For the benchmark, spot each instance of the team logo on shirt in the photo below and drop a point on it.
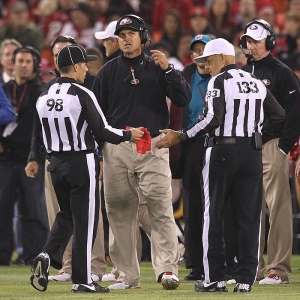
(266, 81)
(125, 21)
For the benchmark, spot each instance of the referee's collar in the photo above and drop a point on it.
(65, 80)
(229, 67)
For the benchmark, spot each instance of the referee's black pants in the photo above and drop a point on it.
(193, 151)
(76, 184)
(232, 170)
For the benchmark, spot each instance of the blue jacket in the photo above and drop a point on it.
(6, 111)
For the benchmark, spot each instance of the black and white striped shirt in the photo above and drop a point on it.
(72, 120)
(236, 104)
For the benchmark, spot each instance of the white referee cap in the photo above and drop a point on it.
(217, 46)
(109, 32)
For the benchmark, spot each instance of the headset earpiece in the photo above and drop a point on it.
(36, 56)
(270, 39)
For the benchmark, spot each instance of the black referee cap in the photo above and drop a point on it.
(72, 54)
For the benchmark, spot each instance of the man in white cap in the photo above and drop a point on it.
(282, 83)
(232, 166)
(110, 41)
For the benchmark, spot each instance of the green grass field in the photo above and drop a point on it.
(14, 285)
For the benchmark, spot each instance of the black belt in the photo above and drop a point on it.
(223, 140)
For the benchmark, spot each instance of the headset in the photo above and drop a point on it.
(270, 39)
(36, 56)
(143, 31)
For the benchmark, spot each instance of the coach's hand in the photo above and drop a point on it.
(171, 138)
(136, 134)
(31, 169)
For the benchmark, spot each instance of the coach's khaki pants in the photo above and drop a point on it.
(277, 196)
(126, 174)
(98, 254)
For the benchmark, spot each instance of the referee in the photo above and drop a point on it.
(71, 120)
(232, 165)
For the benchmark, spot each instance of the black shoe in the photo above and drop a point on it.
(217, 286)
(40, 272)
(89, 288)
(194, 275)
(242, 288)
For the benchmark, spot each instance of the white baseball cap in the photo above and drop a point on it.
(217, 46)
(109, 32)
(256, 31)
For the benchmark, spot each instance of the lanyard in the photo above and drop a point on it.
(201, 93)
(17, 102)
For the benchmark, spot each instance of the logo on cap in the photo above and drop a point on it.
(125, 21)
(198, 37)
(253, 27)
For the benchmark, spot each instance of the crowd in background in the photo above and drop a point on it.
(172, 23)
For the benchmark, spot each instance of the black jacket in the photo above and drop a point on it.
(17, 145)
(125, 104)
(284, 86)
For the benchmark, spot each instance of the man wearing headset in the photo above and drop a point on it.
(132, 90)
(23, 93)
(282, 83)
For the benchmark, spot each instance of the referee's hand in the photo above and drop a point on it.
(171, 138)
(136, 134)
(31, 169)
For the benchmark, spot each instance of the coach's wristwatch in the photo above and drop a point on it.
(182, 135)
(170, 68)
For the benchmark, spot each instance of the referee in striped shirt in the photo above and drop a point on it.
(71, 120)
(239, 108)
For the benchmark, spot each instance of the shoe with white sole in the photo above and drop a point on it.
(40, 272)
(89, 288)
(61, 277)
(242, 288)
(109, 277)
(95, 277)
(169, 281)
(120, 285)
(273, 279)
(231, 281)
(216, 286)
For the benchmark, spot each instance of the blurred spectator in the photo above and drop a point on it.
(220, 19)
(183, 7)
(287, 44)
(94, 66)
(83, 24)
(165, 47)
(44, 8)
(199, 21)
(144, 9)
(294, 60)
(20, 28)
(171, 30)
(184, 52)
(247, 13)
(100, 8)
(294, 5)
(53, 24)
(7, 48)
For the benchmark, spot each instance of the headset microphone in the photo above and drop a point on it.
(249, 56)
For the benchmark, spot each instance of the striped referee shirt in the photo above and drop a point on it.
(236, 105)
(72, 120)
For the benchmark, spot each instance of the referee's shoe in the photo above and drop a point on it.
(216, 286)
(40, 272)
(89, 288)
